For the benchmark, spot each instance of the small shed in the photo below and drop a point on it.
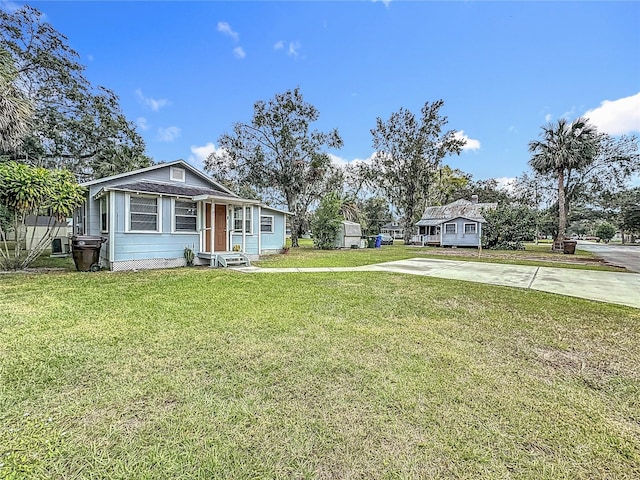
(348, 235)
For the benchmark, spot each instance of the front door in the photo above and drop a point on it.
(220, 240)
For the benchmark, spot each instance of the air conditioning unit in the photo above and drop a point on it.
(60, 246)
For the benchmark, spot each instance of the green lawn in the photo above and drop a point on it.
(199, 373)
(535, 255)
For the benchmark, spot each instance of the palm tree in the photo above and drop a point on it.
(15, 108)
(563, 148)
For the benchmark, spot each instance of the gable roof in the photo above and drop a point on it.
(180, 163)
(460, 208)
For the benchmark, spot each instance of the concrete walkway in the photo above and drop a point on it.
(610, 287)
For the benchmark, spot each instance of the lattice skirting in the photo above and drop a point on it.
(148, 264)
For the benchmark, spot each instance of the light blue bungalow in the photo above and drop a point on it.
(149, 216)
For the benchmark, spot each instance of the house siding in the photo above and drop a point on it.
(129, 250)
(460, 239)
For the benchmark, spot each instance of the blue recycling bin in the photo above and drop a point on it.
(378, 241)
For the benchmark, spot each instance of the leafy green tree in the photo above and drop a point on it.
(74, 125)
(375, 213)
(508, 226)
(563, 149)
(326, 221)
(449, 185)
(605, 232)
(27, 190)
(408, 153)
(278, 151)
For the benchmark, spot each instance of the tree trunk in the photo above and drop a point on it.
(295, 226)
(562, 212)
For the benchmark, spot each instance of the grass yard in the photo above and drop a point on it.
(535, 255)
(199, 373)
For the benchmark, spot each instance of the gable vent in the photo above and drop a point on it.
(177, 174)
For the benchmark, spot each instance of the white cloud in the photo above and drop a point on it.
(343, 162)
(200, 153)
(225, 28)
(471, 143)
(617, 117)
(168, 134)
(507, 184)
(154, 104)
(294, 48)
(512, 129)
(548, 117)
(385, 2)
(279, 45)
(239, 52)
(142, 123)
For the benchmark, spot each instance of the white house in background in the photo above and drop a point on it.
(458, 224)
(150, 215)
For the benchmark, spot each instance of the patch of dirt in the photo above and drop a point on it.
(575, 363)
(505, 255)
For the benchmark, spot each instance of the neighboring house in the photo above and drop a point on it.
(150, 215)
(41, 226)
(349, 235)
(458, 224)
(394, 229)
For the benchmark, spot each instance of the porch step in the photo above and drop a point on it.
(227, 259)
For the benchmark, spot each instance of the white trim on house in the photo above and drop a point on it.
(271, 225)
(177, 174)
(127, 210)
(475, 228)
(174, 215)
(104, 200)
(455, 229)
(112, 229)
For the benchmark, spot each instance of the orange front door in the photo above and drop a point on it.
(220, 241)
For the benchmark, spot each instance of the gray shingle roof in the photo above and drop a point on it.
(168, 189)
(460, 208)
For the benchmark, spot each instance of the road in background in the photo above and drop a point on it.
(615, 254)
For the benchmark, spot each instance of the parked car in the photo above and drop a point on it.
(387, 239)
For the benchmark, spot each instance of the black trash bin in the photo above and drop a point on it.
(371, 242)
(569, 246)
(86, 252)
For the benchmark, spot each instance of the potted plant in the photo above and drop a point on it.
(189, 256)
(286, 246)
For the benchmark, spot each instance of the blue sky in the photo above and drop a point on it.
(186, 71)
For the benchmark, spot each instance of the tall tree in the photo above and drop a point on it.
(564, 148)
(374, 214)
(278, 151)
(75, 125)
(15, 108)
(408, 152)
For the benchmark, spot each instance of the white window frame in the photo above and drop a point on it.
(273, 220)
(104, 210)
(475, 228)
(127, 204)
(248, 231)
(174, 216)
(455, 229)
(177, 174)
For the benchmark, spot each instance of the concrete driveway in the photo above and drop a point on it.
(627, 256)
(610, 287)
